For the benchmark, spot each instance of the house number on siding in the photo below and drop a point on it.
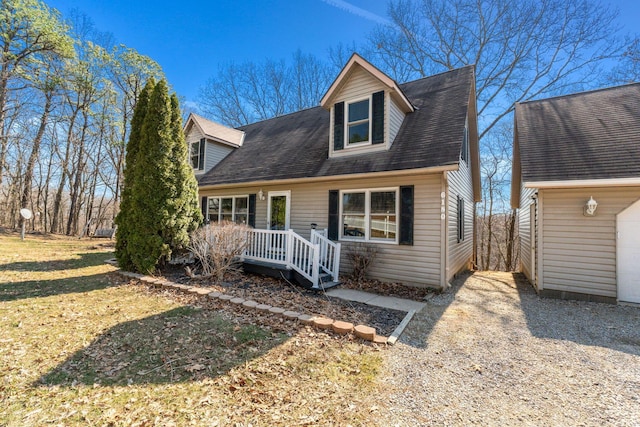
(443, 209)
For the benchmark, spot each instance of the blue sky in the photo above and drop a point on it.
(189, 38)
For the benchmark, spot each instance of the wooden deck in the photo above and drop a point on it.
(282, 272)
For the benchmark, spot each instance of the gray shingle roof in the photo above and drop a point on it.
(590, 135)
(297, 145)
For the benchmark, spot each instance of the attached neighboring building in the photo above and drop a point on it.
(576, 183)
(395, 166)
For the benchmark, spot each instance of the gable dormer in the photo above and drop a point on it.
(209, 142)
(367, 109)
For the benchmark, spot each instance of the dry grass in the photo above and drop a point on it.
(81, 347)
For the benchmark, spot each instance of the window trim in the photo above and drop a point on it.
(367, 214)
(233, 206)
(200, 152)
(347, 144)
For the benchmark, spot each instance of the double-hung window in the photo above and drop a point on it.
(231, 209)
(369, 215)
(196, 154)
(358, 123)
(460, 220)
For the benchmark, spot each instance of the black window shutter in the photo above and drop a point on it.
(203, 206)
(377, 130)
(252, 210)
(202, 144)
(334, 214)
(338, 126)
(406, 215)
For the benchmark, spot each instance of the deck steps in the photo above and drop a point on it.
(281, 271)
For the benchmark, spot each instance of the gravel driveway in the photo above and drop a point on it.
(490, 352)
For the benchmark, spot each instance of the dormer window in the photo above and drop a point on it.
(197, 155)
(367, 109)
(358, 123)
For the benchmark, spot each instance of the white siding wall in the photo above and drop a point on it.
(525, 227)
(394, 117)
(214, 152)
(578, 252)
(460, 254)
(359, 84)
(417, 265)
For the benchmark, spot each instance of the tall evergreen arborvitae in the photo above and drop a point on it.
(164, 205)
(124, 219)
(187, 212)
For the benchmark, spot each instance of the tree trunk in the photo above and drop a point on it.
(33, 157)
(74, 208)
(55, 222)
(4, 138)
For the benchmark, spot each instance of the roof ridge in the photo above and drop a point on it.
(584, 92)
(438, 74)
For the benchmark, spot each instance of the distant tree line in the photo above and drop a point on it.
(67, 94)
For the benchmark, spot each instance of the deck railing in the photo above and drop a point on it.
(329, 253)
(293, 251)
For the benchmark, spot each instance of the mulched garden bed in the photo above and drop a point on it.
(281, 293)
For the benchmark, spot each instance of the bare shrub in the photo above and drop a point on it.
(361, 256)
(218, 247)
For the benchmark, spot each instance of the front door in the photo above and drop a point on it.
(279, 206)
(278, 209)
(628, 253)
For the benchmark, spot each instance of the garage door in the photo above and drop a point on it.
(628, 254)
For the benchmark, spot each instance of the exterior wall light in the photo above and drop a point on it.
(590, 207)
(261, 194)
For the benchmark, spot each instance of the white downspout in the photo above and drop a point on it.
(444, 233)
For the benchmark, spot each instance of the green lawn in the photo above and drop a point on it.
(80, 346)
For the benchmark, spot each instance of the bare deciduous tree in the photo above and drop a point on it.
(521, 50)
(242, 94)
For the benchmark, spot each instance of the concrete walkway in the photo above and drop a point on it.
(376, 300)
(409, 306)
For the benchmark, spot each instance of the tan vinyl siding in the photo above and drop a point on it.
(395, 117)
(359, 84)
(195, 135)
(417, 265)
(525, 227)
(460, 254)
(214, 153)
(579, 253)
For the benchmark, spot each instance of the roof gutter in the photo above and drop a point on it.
(612, 182)
(405, 172)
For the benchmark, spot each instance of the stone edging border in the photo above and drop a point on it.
(320, 322)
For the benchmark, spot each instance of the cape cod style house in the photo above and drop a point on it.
(576, 183)
(377, 163)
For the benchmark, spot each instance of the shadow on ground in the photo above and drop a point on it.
(89, 259)
(588, 323)
(47, 288)
(183, 344)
